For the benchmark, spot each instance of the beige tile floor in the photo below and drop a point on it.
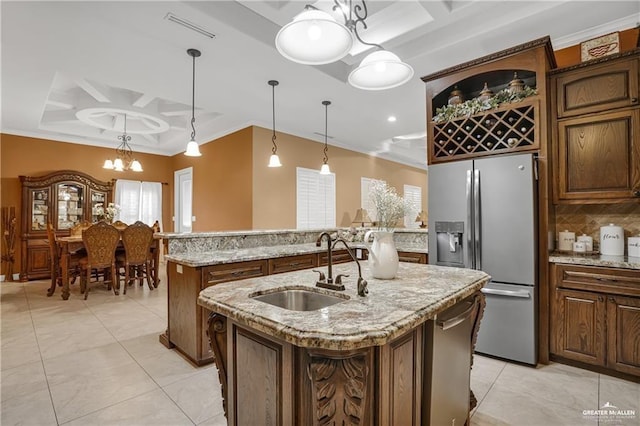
(99, 362)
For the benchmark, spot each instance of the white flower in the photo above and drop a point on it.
(109, 213)
(390, 207)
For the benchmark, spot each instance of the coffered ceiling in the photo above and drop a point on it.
(70, 70)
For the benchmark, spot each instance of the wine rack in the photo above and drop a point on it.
(504, 129)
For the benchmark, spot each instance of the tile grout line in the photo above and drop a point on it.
(44, 368)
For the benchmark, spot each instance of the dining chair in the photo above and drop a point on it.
(54, 254)
(100, 241)
(137, 239)
(76, 231)
(155, 254)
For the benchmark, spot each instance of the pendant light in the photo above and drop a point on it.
(324, 170)
(193, 150)
(314, 37)
(274, 160)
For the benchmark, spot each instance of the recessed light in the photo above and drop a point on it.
(391, 119)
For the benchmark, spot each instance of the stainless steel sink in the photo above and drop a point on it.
(299, 299)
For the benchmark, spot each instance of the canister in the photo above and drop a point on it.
(633, 246)
(587, 240)
(566, 240)
(612, 240)
(579, 247)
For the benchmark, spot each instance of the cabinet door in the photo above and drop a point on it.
(598, 88)
(96, 197)
(623, 334)
(577, 326)
(39, 209)
(599, 158)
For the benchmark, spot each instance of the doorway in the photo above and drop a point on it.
(183, 184)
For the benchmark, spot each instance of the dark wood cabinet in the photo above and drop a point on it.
(595, 130)
(292, 263)
(64, 199)
(479, 129)
(597, 88)
(599, 158)
(595, 317)
(623, 337)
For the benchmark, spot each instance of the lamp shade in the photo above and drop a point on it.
(118, 165)
(380, 70)
(108, 164)
(136, 166)
(324, 170)
(274, 161)
(362, 217)
(193, 150)
(313, 38)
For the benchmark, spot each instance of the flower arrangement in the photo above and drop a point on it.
(390, 207)
(108, 213)
(476, 106)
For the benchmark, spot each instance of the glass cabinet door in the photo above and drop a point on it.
(70, 199)
(39, 209)
(97, 198)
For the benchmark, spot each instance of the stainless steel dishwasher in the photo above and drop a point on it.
(448, 366)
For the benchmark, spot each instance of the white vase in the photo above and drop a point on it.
(383, 256)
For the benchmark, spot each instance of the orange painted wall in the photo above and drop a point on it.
(222, 179)
(274, 190)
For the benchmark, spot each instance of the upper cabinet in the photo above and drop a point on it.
(596, 144)
(493, 105)
(64, 199)
(597, 88)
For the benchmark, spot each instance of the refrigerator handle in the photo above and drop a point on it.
(477, 234)
(469, 261)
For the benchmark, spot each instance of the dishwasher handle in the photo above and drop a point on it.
(509, 293)
(446, 324)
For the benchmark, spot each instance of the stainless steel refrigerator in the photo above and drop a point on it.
(482, 215)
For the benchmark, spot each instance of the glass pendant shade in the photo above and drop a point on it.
(118, 165)
(108, 164)
(193, 150)
(314, 38)
(136, 166)
(274, 161)
(324, 170)
(380, 70)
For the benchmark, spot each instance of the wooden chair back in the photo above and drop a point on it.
(53, 251)
(137, 240)
(101, 241)
(120, 225)
(76, 231)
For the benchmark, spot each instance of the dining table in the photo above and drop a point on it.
(69, 245)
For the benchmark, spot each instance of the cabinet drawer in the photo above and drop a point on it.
(292, 263)
(233, 271)
(598, 279)
(338, 256)
(410, 257)
(598, 88)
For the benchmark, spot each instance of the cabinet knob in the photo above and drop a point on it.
(612, 300)
(600, 299)
(636, 193)
(634, 100)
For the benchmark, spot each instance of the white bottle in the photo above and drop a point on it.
(612, 240)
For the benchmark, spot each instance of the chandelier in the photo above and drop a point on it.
(124, 155)
(193, 150)
(324, 169)
(314, 37)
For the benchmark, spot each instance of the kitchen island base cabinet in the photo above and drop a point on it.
(265, 380)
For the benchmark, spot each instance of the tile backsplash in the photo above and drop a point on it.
(587, 219)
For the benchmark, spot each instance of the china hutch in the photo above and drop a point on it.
(63, 198)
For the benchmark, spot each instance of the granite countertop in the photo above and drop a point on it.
(392, 307)
(216, 257)
(240, 233)
(625, 262)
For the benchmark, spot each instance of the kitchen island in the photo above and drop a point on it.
(363, 360)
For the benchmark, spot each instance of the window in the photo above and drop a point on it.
(315, 199)
(139, 201)
(413, 194)
(365, 200)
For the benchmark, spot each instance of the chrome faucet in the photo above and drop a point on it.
(328, 282)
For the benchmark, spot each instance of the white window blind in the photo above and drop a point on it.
(315, 199)
(139, 201)
(413, 194)
(365, 200)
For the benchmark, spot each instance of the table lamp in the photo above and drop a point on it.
(422, 217)
(362, 217)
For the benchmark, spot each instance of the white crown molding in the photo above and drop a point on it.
(609, 27)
